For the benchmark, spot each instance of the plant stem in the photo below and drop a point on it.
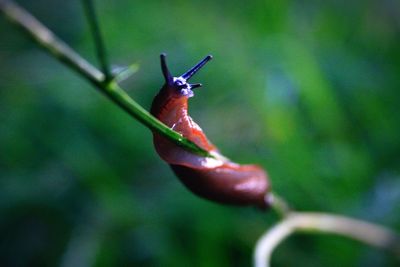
(313, 222)
(97, 37)
(279, 205)
(46, 39)
(56, 47)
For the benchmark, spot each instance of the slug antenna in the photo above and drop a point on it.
(167, 75)
(195, 85)
(187, 75)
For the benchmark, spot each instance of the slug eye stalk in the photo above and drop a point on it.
(167, 75)
(170, 80)
(187, 75)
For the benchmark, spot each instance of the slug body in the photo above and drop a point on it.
(215, 178)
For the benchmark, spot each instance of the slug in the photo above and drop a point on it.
(215, 178)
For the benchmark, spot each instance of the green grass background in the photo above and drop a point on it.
(308, 89)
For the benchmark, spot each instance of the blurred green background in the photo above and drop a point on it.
(308, 89)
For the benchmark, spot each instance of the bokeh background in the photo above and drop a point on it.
(308, 89)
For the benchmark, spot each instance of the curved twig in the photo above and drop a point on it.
(314, 222)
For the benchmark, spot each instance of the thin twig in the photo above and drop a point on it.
(45, 38)
(90, 12)
(53, 45)
(312, 222)
(279, 205)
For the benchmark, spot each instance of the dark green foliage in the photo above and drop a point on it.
(310, 90)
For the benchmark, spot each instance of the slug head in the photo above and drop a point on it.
(179, 85)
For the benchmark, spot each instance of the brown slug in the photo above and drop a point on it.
(215, 178)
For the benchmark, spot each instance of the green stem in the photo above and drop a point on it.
(279, 205)
(97, 37)
(56, 47)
